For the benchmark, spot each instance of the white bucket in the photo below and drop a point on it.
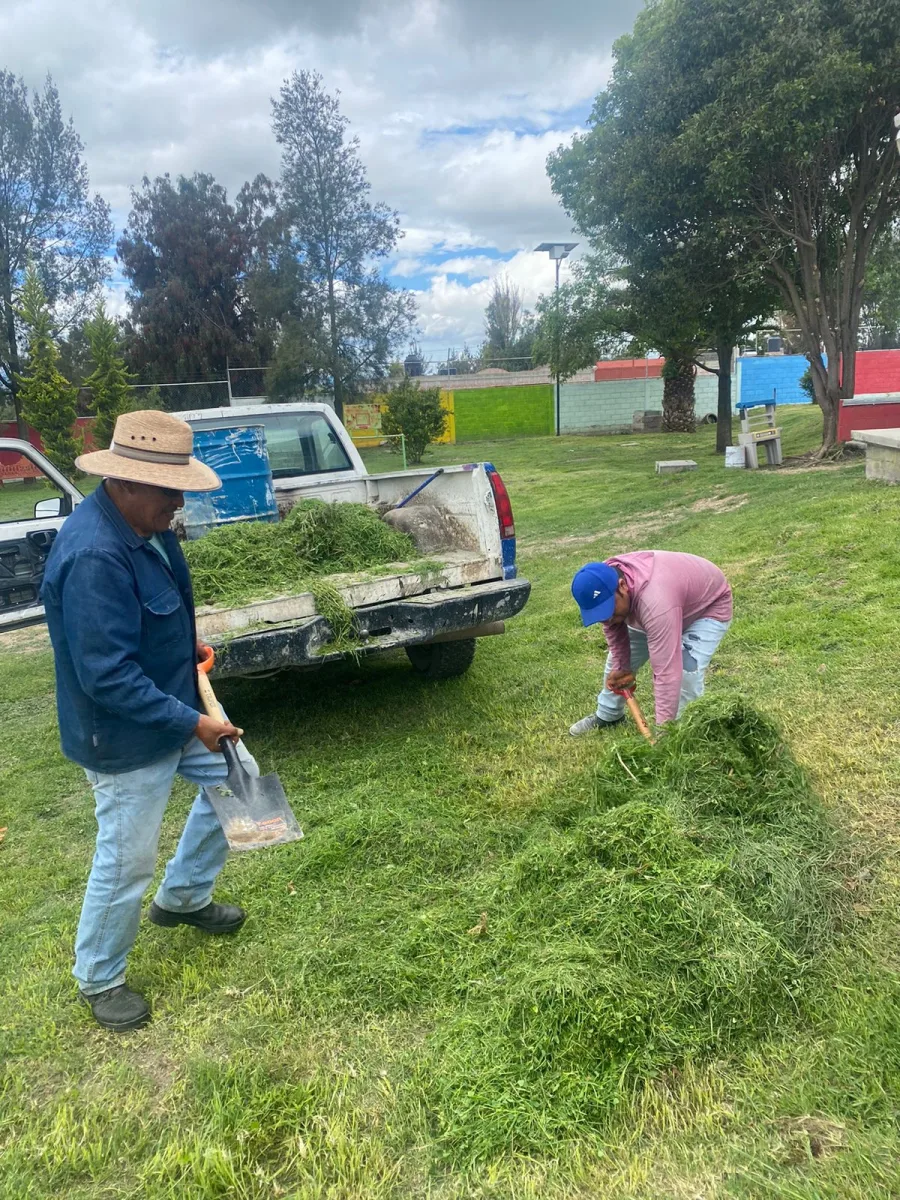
(734, 456)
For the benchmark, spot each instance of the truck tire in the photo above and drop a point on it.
(442, 660)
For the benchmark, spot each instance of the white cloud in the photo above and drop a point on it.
(451, 313)
(456, 102)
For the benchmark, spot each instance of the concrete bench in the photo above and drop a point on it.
(882, 453)
(669, 466)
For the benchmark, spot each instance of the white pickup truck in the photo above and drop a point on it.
(461, 521)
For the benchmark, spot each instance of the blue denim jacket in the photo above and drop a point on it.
(124, 638)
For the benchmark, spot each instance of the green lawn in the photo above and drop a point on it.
(299, 1058)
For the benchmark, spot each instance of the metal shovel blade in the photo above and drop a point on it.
(254, 812)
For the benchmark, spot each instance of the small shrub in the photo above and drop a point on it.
(417, 414)
(806, 384)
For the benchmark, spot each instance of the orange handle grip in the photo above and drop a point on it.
(206, 664)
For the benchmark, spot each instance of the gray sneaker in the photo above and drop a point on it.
(589, 724)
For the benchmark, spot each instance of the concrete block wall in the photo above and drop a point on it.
(609, 407)
(758, 376)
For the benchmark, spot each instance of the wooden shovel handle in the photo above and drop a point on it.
(634, 709)
(211, 706)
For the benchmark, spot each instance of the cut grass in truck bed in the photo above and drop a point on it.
(369, 1035)
(234, 564)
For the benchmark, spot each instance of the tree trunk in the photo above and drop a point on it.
(335, 358)
(678, 394)
(828, 396)
(723, 414)
(15, 365)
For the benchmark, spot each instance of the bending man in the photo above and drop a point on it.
(671, 608)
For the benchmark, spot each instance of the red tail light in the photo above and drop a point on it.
(504, 508)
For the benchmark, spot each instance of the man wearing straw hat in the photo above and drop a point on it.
(120, 611)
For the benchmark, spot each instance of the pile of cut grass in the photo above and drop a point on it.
(235, 564)
(678, 915)
(672, 907)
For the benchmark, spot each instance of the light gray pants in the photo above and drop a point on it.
(698, 644)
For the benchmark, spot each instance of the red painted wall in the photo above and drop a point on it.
(14, 466)
(877, 371)
(628, 368)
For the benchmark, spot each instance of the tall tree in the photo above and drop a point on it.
(358, 320)
(509, 329)
(46, 397)
(609, 306)
(47, 217)
(109, 380)
(626, 187)
(187, 253)
(790, 130)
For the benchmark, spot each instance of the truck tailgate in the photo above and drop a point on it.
(385, 626)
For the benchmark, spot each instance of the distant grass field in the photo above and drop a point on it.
(330, 1050)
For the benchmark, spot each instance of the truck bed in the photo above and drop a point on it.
(396, 581)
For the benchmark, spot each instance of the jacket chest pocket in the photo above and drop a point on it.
(163, 617)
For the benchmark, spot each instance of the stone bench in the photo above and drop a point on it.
(670, 466)
(882, 453)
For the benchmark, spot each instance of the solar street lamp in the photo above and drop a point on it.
(557, 251)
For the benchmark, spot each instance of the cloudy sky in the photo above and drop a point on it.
(456, 102)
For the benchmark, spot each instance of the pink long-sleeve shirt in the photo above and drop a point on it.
(669, 591)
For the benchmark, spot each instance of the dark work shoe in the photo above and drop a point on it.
(215, 918)
(589, 724)
(118, 1008)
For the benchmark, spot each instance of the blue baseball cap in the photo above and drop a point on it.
(594, 589)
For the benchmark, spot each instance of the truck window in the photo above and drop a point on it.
(26, 493)
(303, 444)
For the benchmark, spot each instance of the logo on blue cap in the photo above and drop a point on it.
(594, 589)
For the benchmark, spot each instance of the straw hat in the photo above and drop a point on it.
(152, 447)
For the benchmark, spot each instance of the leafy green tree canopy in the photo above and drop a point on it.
(47, 217)
(186, 253)
(109, 380)
(353, 321)
(785, 118)
(47, 398)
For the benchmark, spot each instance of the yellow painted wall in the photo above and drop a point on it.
(448, 438)
(363, 421)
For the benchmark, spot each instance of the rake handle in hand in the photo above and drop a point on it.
(635, 710)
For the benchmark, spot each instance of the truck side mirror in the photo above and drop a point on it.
(49, 508)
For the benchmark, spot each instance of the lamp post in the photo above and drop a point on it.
(557, 251)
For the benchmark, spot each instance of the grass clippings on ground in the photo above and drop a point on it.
(313, 1056)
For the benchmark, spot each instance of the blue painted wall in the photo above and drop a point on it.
(758, 376)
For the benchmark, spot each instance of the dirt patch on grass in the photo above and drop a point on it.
(804, 1138)
(642, 527)
(719, 504)
(812, 467)
(31, 640)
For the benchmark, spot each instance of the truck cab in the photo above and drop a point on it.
(35, 499)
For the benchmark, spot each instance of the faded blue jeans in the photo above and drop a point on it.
(129, 810)
(698, 644)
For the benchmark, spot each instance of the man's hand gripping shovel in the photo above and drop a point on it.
(253, 812)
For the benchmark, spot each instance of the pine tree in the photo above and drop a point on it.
(110, 378)
(47, 397)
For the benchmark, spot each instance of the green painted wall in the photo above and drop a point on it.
(503, 411)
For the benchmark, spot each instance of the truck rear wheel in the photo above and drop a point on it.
(442, 660)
